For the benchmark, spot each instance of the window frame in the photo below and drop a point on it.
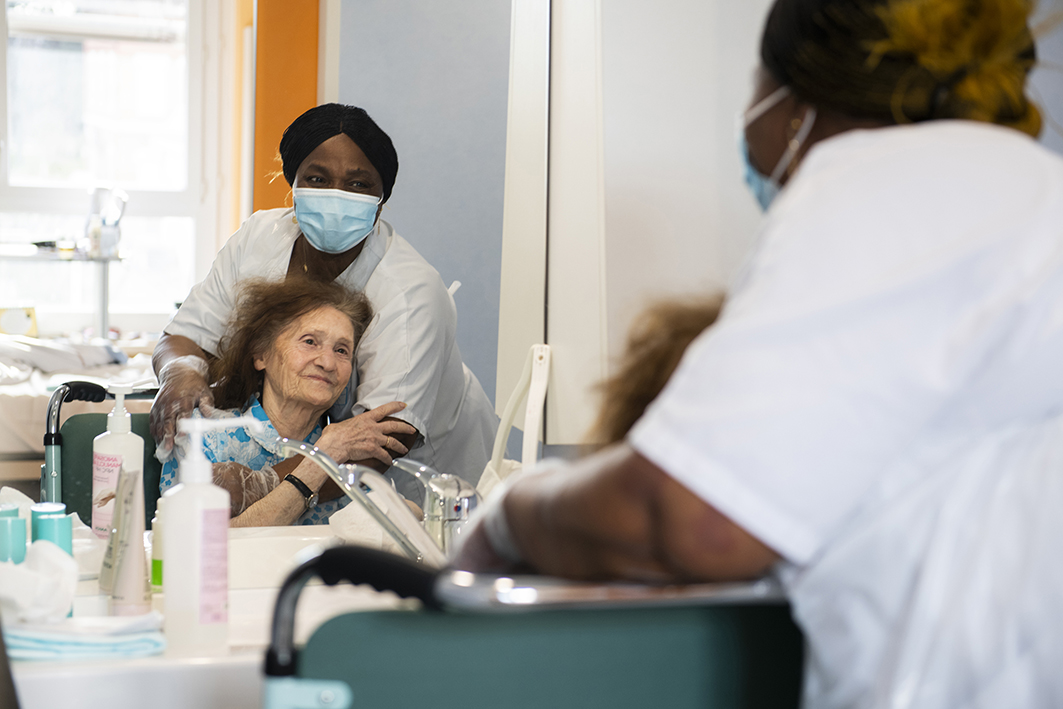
(207, 193)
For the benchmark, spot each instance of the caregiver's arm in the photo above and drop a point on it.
(405, 437)
(617, 515)
(181, 366)
(371, 438)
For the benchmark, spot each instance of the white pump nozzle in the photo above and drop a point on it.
(119, 420)
(196, 468)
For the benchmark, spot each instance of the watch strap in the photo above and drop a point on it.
(302, 487)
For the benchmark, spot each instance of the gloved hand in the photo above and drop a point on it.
(486, 544)
(245, 486)
(183, 386)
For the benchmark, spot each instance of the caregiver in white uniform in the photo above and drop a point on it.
(877, 416)
(342, 167)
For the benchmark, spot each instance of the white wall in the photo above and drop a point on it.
(678, 217)
(646, 195)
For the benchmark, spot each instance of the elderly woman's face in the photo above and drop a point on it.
(339, 164)
(310, 361)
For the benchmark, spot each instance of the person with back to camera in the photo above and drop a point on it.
(342, 167)
(877, 416)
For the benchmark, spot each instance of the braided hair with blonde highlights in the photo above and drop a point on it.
(904, 61)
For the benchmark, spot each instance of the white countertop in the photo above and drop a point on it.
(259, 561)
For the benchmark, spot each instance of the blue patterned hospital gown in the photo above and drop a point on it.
(255, 450)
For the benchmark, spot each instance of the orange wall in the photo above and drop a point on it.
(285, 86)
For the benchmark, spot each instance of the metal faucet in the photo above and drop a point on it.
(448, 502)
(349, 483)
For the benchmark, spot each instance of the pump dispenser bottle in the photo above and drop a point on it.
(196, 549)
(116, 449)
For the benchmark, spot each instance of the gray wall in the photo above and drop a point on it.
(1046, 82)
(435, 76)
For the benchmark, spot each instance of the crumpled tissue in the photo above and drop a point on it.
(354, 525)
(41, 588)
(94, 637)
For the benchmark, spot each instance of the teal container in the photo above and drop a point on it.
(42, 510)
(12, 539)
(8, 510)
(59, 530)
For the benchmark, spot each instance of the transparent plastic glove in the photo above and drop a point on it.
(367, 435)
(183, 387)
(486, 543)
(245, 486)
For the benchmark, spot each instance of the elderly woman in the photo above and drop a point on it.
(342, 168)
(877, 416)
(286, 359)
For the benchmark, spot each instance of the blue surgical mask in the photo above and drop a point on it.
(765, 188)
(334, 221)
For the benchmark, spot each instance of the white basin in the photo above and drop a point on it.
(261, 557)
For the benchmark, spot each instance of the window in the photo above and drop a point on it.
(104, 93)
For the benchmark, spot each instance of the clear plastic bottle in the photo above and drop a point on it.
(196, 550)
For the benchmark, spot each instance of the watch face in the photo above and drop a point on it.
(311, 501)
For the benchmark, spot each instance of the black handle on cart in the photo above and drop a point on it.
(69, 391)
(79, 391)
(382, 570)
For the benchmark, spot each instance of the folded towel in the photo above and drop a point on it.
(97, 625)
(86, 638)
(36, 645)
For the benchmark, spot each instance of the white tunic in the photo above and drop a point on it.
(881, 403)
(409, 351)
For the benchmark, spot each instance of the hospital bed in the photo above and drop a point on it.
(30, 371)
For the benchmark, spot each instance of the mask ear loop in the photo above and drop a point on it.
(794, 145)
(764, 105)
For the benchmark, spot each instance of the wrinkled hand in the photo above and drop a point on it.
(367, 435)
(182, 387)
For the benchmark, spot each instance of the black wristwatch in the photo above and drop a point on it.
(304, 490)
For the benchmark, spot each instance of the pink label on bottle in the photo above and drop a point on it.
(214, 573)
(105, 469)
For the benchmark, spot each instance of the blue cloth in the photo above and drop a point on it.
(255, 450)
(34, 645)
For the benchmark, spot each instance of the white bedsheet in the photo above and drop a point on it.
(24, 403)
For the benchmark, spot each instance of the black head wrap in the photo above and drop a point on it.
(965, 59)
(328, 120)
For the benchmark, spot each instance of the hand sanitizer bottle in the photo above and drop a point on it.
(196, 550)
(116, 449)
